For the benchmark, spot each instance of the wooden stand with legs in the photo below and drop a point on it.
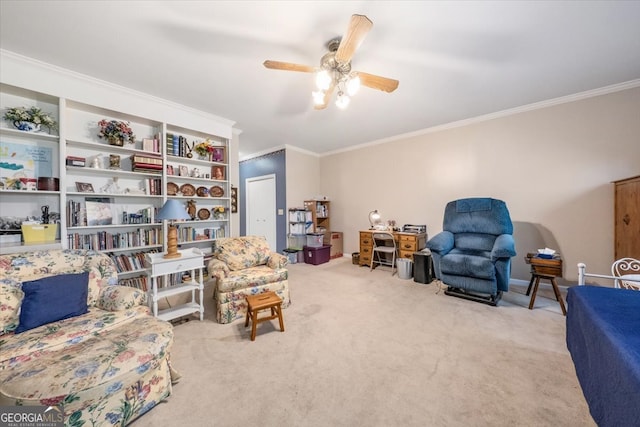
(256, 303)
(544, 269)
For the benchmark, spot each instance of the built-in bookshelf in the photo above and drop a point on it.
(108, 194)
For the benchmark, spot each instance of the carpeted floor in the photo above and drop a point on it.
(363, 348)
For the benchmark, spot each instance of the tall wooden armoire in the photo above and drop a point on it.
(627, 218)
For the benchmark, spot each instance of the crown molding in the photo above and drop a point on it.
(499, 114)
(261, 153)
(110, 86)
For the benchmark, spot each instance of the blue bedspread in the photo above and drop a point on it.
(603, 337)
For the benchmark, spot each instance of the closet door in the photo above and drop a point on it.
(627, 218)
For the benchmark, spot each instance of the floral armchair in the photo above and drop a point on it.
(243, 266)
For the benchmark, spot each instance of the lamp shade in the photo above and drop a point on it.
(173, 210)
(374, 218)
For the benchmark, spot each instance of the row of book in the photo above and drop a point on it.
(104, 241)
(139, 282)
(129, 262)
(142, 216)
(153, 186)
(151, 144)
(191, 234)
(178, 145)
(81, 214)
(147, 164)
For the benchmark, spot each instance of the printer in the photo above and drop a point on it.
(410, 228)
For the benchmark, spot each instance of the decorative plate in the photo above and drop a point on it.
(172, 189)
(204, 213)
(202, 191)
(216, 191)
(187, 190)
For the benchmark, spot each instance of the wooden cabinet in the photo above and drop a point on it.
(627, 218)
(407, 243)
(320, 217)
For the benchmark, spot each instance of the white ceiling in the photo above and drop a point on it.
(454, 59)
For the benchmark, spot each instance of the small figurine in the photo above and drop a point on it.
(191, 208)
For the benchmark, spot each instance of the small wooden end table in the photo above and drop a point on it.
(263, 301)
(549, 269)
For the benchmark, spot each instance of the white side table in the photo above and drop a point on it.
(170, 272)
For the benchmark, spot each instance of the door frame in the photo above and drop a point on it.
(247, 181)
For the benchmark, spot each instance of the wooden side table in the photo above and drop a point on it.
(263, 301)
(549, 269)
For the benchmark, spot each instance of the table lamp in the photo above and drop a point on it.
(172, 211)
(374, 218)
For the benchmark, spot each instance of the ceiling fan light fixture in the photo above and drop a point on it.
(318, 97)
(342, 100)
(353, 84)
(323, 80)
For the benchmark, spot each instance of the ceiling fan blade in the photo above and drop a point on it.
(289, 66)
(377, 82)
(358, 28)
(327, 96)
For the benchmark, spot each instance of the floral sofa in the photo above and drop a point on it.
(105, 362)
(244, 266)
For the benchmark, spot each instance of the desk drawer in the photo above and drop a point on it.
(365, 259)
(408, 246)
(176, 266)
(406, 254)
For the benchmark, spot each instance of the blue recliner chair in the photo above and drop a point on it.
(472, 255)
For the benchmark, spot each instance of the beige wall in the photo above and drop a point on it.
(553, 166)
(303, 177)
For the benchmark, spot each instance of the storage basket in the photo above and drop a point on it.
(39, 232)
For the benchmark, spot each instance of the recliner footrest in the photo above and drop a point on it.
(483, 298)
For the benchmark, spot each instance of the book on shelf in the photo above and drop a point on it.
(137, 159)
(151, 145)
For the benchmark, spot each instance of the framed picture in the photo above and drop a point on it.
(234, 199)
(218, 173)
(169, 169)
(84, 187)
(218, 154)
(184, 171)
(99, 213)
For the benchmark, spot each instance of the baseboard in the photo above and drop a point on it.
(541, 284)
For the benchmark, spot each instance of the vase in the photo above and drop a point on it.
(115, 141)
(26, 126)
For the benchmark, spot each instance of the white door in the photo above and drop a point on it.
(261, 208)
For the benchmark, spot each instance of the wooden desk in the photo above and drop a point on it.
(548, 269)
(408, 243)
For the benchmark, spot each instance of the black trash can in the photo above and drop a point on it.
(422, 266)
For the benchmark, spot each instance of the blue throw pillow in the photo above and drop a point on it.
(53, 298)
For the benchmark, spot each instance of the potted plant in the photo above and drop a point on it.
(30, 119)
(116, 132)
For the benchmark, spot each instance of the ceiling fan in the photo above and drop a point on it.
(335, 68)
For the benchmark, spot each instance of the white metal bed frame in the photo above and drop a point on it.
(628, 280)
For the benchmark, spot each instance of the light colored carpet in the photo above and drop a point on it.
(363, 348)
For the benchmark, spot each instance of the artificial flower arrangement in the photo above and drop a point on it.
(204, 148)
(218, 212)
(35, 115)
(116, 130)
